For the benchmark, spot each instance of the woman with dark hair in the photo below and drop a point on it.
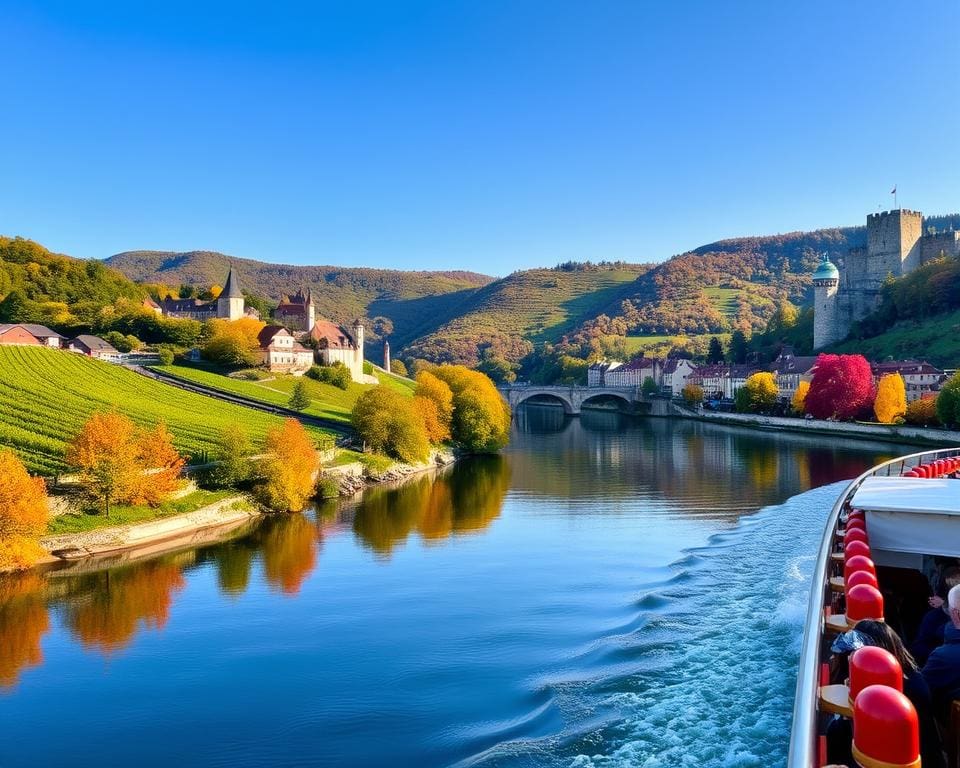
(915, 688)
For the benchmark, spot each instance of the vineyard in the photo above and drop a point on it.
(46, 395)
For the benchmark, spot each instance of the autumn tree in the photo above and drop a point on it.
(288, 469)
(233, 464)
(841, 388)
(161, 465)
(397, 368)
(759, 393)
(23, 623)
(234, 343)
(481, 417)
(106, 456)
(923, 412)
(948, 402)
(388, 422)
(692, 394)
(798, 401)
(299, 398)
(23, 514)
(438, 413)
(891, 401)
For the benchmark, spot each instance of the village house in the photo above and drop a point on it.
(790, 370)
(720, 381)
(632, 374)
(335, 344)
(30, 334)
(675, 374)
(281, 353)
(597, 372)
(919, 377)
(93, 346)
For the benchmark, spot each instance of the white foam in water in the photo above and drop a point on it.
(722, 692)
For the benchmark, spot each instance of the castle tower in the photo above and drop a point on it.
(893, 243)
(357, 367)
(310, 311)
(826, 322)
(386, 355)
(230, 303)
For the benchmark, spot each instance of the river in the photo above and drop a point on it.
(607, 592)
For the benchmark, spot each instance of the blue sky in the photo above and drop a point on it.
(489, 136)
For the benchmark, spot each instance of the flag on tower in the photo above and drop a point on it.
(894, 190)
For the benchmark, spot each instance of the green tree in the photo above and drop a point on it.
(948, 402)
(739, 347)
(649, 387)
(166, 356)
(234, 466)
(715, 351)
(299, 398)
(498, 369)
(397, 368)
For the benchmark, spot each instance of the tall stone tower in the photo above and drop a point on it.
(386, 355)
(310, 311)
(826, 325)
(893, 243)
(230, 302)
(358, 338)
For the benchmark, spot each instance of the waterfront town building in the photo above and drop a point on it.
(896, 245)
(334, 344)
(919, 377)
(632, 374)
(30, 334)
(675, 373)
(790, 370)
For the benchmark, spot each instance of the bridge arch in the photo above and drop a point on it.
(522, 397)
(625, 400)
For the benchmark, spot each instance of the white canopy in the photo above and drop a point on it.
(908, 494)
(911, 514)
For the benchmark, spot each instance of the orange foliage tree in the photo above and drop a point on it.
(289, 552)
(433, 400)
(23, 514)
(288, 469)
(119, 464)
(23, 622)
(891, 401)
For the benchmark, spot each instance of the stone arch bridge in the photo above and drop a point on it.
(573, 399)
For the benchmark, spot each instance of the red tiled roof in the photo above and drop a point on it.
(324, 330)
(266, 335)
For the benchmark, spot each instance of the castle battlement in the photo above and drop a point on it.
(896, 245)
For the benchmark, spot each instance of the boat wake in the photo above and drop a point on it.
(704, 675)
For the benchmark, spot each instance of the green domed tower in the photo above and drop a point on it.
(826, 281)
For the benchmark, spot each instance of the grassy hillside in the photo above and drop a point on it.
(46, 395)
(527, 307)
(326, 401)
(935, 339)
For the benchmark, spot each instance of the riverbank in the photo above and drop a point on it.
(895, 433)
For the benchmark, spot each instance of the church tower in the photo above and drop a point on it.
(309, 311)
(230, 302)
(386, 355)
(826, 325)
(357, 367)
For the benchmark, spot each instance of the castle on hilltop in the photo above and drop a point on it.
(896, 245)
(229, 305)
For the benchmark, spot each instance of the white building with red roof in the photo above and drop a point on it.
(281, 353)
(337, 345)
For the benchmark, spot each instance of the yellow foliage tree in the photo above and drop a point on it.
(234, 342)
(288, 468)
(923, 412)
(692, 394)
(23, 514)
(439, 392)
(481, 417)
(758, 394)
(891, 401)
(799, 399)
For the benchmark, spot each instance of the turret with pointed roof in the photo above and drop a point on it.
(230, 302)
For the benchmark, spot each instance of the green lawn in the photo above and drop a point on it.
(125, 515)
(326, 400)
(47, 394)
(936, 340)
(724, 299)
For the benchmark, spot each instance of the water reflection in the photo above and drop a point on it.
(464, 500)
(662, 467)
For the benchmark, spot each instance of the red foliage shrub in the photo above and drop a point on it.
(842, 387)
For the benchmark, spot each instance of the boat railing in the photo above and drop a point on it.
(803, 751)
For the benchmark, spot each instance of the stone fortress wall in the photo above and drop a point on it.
(896, 245)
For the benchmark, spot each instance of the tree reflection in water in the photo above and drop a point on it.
(105, 609)
(23, 622)
(289, 547)
(464, 500)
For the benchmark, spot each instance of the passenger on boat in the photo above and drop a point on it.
(915, 688)
(942, 670)
(930, 632)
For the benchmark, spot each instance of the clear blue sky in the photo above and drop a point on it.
(491, 135)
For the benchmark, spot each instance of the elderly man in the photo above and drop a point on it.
(942, 670)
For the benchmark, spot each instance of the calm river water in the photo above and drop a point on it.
(608, 592)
